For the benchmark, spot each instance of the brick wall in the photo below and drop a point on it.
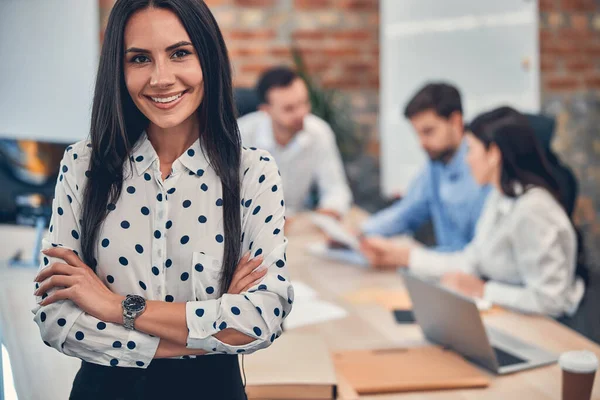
(339, 41)
(570, 64)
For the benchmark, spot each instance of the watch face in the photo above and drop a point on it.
(134, 303)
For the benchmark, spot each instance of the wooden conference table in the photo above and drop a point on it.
(43, 373)
(373, 326)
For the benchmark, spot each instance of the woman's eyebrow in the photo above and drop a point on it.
(170, 48)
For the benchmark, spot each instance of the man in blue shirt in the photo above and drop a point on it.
(444, 192)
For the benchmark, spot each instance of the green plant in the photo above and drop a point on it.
(333, 107)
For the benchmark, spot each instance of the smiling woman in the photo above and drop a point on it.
(152, 278)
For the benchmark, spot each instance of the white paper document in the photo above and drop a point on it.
(303, 292)
(321, 249)
(315, 311)
(336, 231)
(308, 309)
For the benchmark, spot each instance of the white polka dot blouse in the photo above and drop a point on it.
(164, 240)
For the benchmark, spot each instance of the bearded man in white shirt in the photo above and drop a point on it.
(302, 144)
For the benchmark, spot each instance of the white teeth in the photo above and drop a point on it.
(166, 99)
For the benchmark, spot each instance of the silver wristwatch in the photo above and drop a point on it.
(133, 307)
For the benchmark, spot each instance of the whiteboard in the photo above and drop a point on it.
(489, 49)
(49, 51)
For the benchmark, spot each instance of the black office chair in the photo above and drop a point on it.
(544, 126)
(246, 101)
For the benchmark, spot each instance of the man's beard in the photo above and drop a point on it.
(442, 156)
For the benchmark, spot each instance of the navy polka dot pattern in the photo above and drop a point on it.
(163, 238)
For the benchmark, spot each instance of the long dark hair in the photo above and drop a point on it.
(117, 123)
(524, 163)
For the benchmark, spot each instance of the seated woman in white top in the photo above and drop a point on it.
(525, 251)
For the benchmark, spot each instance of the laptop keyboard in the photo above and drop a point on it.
(505, 359)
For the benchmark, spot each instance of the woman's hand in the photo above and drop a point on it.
(385, 254)
(245, 277)
(77, 282)
(466, 284)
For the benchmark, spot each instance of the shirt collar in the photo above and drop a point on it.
(194, 159)
(266, 139)
(458, 159)
(143, 155)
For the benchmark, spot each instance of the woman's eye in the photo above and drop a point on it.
(140, 59)
(180, 53)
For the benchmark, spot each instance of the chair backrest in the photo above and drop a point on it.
(246, 101)
(543, 127)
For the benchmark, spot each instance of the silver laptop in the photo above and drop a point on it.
(452, 320)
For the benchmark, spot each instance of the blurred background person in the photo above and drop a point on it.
(444, 192)
(302, 144)
(525, 251)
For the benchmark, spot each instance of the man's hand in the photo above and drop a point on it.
(385, 254)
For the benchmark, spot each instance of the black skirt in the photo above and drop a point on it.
(203, 378)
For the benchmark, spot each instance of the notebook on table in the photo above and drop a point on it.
(295, 366)
(407, 369)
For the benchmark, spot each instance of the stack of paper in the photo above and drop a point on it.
(308, 309)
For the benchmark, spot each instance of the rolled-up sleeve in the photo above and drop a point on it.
(63, 325)
(258, 313)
